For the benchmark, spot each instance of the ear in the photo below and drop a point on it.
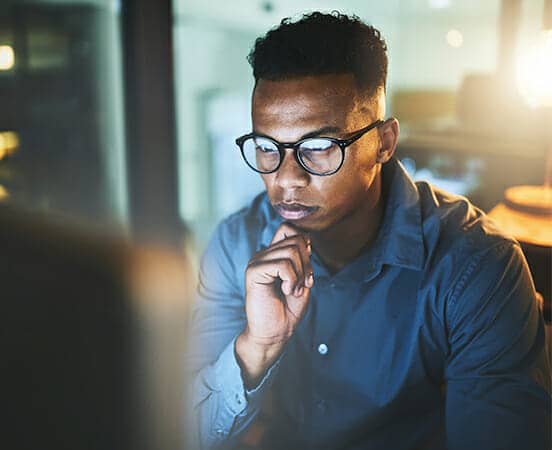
(389, 135)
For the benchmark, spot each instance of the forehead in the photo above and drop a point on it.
(303, 102)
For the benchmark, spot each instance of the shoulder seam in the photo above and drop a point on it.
(468, 271)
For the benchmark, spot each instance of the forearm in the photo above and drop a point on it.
(222, 406)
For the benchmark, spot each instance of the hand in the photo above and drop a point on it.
(278, 282)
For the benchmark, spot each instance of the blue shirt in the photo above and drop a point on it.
(430, 339)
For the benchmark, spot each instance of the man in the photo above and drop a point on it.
(379, 313)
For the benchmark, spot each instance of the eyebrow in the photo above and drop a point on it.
(321, 131)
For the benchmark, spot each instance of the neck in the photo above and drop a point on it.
(344, 241)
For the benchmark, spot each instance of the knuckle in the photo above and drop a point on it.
(289, 266)
(300, 241)
(293, 244)
(250, 267)
(297, 240)
(288, 263)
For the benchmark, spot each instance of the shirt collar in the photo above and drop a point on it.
(400, 238)
(399, 241)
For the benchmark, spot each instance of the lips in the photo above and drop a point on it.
(294, 211)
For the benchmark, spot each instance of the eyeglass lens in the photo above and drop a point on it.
(320, 156)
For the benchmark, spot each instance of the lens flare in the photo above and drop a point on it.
(534, 72)
(7, 57)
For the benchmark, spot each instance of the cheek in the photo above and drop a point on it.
(267, 180)
(337, 189)
(349, 187)
(271, 186)
(361, 170)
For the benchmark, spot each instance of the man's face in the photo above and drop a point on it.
(327, 105)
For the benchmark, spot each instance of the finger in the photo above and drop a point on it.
(289, 251)
(270, 271)
(303, 246)
(306, 251)
(297, 305)
(284, 231)
(303, 249)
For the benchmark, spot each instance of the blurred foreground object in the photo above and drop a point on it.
(92, 334)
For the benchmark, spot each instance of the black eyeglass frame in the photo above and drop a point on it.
(342, 143)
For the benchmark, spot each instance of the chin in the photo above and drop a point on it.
(313, 224)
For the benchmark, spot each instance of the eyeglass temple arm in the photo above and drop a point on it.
(362, 132)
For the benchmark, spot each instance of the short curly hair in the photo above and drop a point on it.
(322, 44)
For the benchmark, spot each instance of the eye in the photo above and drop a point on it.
(265, 146)
(316, 145)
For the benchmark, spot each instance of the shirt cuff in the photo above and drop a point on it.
(229, 379)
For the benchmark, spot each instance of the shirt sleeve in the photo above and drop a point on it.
(498, 373)
(219, 406)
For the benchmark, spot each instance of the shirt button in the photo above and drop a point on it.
(322, 349)
(321, 405)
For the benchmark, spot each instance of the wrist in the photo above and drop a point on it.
(256, 356)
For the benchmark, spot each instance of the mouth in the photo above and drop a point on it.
(294, 211)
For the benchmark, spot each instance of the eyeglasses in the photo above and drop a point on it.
(317, 155)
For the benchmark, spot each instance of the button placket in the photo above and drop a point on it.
(328, 312)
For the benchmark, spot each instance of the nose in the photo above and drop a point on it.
(291, 175)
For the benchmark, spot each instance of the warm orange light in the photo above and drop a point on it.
(7, 57)
(534, 72)
(9, 142)
(526, 214)
(3, 193)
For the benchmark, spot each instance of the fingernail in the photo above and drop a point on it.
(310, 280)
(299, 291)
